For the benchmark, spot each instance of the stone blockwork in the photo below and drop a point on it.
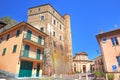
(59, 44)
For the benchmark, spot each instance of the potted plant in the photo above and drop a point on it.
(110, 76)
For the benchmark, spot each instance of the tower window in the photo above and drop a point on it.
(38, 9)
(53, 11)
(114, 41)
(54, 43)
(54, 22)
(60, 26)
(42, 18)
(53, 33)
(60, 37)
(30, 11)
(42, 29)
(61, 47)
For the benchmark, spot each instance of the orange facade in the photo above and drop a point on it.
(12, 48)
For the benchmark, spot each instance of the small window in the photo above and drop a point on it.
(4, 51)
(42, 18)
(14, 48)
(53, 11)
(60, 26)
(54, 43)
(118, 60)
(53, 33)
(103, 39)
(114, 41)
(38, 9)
(61, 47)
(42, 29)
(17, 33)
(54, 22)
(8, 36)
(60, 37)
(30, 11)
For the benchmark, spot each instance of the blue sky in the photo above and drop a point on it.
(88, 17)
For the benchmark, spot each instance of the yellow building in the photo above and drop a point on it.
(59, 50)
(21, 51)
(81, 63)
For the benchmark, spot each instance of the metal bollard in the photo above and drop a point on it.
(79, 77)
(86, 76)
(60, 75)
(54, 76)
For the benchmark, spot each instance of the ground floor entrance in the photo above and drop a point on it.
(30, 69)
(25, 69)
(84, 68)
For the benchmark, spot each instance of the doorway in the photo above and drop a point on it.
(38, 70)
(84, 68)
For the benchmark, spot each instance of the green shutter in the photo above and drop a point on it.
(14, 48)
(29, 34)
(26, 51)
(39, 39)
(4, 51)
(17, 33)
(38, 54)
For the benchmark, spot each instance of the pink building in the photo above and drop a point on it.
(98, 63)
(110, 46)
(21, 51)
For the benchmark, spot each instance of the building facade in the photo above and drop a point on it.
(98, 64)
(109, 45)
(59, 50)
(21, 51)
(81, 63)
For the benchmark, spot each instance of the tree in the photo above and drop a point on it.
(9, 21)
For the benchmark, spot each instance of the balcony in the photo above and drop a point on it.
(34, 41)
(30, 56)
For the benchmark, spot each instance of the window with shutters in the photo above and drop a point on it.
(14, 48)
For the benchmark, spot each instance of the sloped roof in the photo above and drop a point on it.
(80, 53)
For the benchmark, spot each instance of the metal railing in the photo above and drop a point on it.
(34, 39)
(30, 54)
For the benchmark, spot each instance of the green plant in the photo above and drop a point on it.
(99, 74)
(77, 71)
(102, 74)
(110, 76)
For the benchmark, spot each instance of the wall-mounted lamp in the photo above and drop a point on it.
(34, 68)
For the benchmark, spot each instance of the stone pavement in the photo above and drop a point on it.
(55, 77)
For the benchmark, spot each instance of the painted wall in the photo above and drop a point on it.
(9, 61)
(110, 53)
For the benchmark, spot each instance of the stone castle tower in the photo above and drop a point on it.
(58, 51)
